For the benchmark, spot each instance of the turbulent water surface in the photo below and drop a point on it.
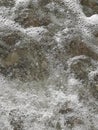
(48, 65)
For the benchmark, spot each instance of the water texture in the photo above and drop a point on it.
(48, 65)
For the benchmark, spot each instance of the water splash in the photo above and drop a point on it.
(48, 66)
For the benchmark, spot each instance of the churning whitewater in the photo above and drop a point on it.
(48, 64)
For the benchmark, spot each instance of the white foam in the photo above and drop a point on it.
(38, 104)
(35, 32)
(22, 3)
